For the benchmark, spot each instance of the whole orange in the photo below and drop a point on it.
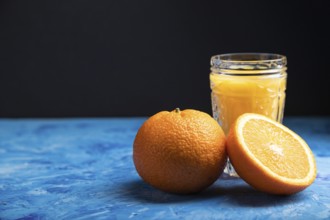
(180, 151)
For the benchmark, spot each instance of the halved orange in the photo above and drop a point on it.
(269, 156)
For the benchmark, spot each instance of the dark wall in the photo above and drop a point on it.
(135, 58)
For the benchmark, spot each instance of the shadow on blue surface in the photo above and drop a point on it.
(234, 192)
(244, 195)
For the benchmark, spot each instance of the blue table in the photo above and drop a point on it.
(83, 169)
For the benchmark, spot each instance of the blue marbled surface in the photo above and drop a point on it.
(83, 169)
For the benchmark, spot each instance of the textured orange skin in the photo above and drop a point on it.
(180, 152)
(254, 175)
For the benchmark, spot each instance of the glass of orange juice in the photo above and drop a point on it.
(247, 83)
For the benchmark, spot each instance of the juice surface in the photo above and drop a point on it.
(237, 94)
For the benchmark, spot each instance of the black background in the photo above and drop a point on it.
(135, 58)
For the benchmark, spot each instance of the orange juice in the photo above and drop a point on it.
(235, 95)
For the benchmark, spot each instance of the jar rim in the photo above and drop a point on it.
(248, 62)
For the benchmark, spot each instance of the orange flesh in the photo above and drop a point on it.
(276, 149)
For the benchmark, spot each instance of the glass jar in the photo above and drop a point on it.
(247, 83)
